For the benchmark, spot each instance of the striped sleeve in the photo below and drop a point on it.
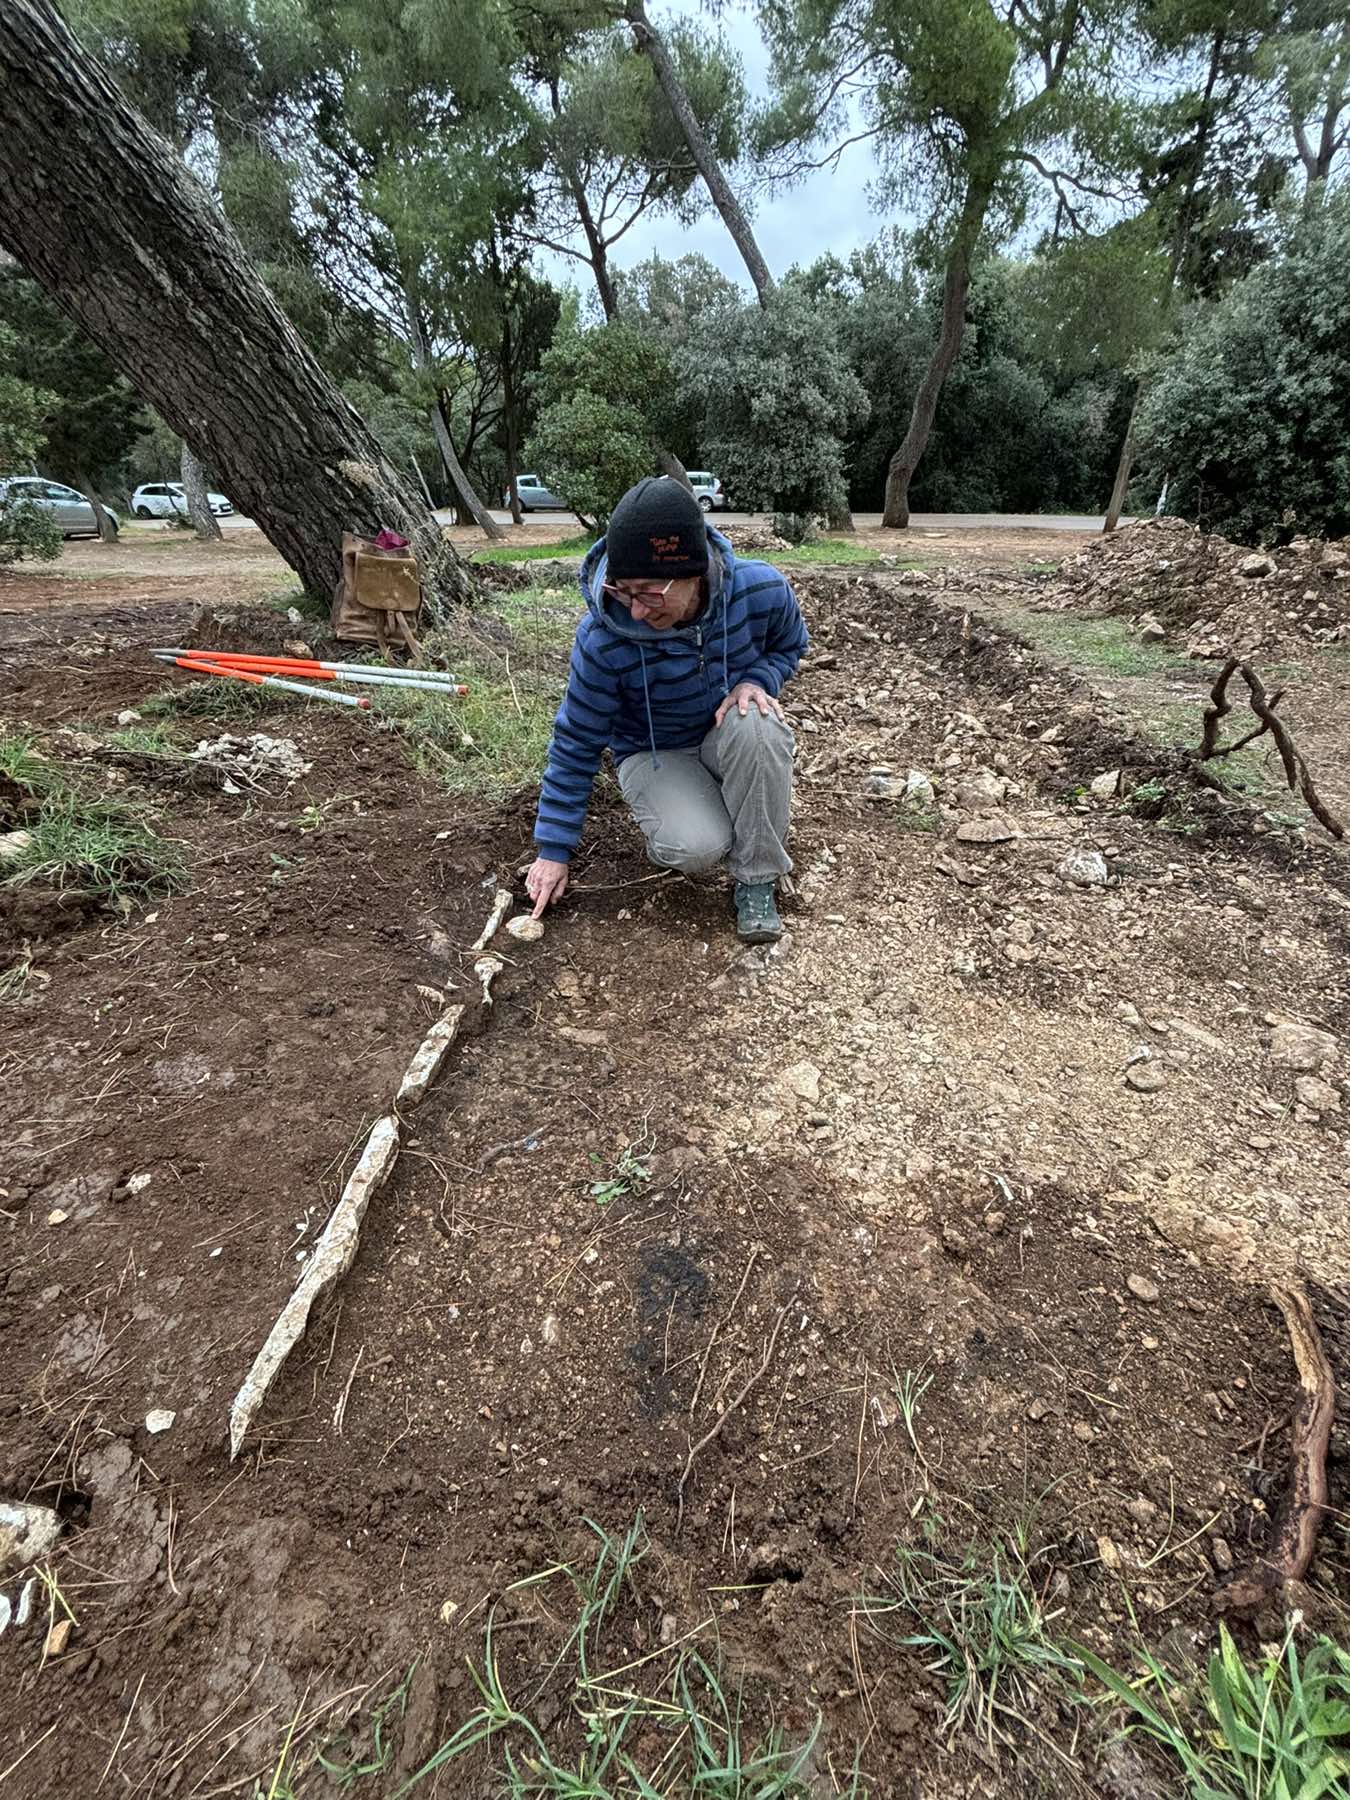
(581, 732)
(785, 641)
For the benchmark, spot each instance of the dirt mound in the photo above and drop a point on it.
(756, 539)
(1223, 596)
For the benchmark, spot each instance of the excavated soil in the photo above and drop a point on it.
(902, 1154)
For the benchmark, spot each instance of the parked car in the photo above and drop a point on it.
(67, 505)
(708, 490)
(533, 494)
(161, 499)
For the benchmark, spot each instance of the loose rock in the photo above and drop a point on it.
(161, 1419)
(996, 829)
(1256, 566)
(1105, 786)
(1084, 868)
(27, 1533)
(1301, 1047)
(1317, 1096)
(1142, 1288)
(803, 1079)
(528, 930)
(1145, 1078)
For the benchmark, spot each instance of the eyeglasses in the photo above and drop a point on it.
(640, 596)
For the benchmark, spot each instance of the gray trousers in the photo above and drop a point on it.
(728, 797)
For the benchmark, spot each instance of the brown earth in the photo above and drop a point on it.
(906, 1142)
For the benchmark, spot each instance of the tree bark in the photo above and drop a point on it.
(651, 44)
(204, 521)
(454, 468)
(670, 464)
(595, 242)
(955, 290)
(1123, 467)
(97, 207)
(425, 364)
(107, 530)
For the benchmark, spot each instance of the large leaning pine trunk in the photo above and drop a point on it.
(955, 291)
(97, 207)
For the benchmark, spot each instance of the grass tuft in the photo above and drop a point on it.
(147, 740)
(493, 740)
(1277, 1731)
(14, 981)
(656, 1725)
(980, 1625)
(212, 697)
(85, 843)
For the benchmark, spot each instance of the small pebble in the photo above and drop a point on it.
(1142, 1288)
(160, 1419)
(525, 928)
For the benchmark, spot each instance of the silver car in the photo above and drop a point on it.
(161, 499)
(708, 490)
(67, 505)
(533, 494)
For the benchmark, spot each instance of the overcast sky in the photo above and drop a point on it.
(828, 211)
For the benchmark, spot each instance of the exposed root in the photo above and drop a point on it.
(1263, 705)
(1305, 1502)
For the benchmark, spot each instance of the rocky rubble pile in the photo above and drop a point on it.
(1224, 598)
(752, 539)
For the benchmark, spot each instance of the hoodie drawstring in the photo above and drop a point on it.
(647, 702)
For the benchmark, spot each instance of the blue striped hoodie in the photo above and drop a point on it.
(633, 689)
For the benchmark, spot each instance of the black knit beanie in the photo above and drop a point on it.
(656, 532)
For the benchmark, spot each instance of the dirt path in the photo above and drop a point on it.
(1006, 1296)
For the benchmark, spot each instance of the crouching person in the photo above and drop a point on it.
(676, 669)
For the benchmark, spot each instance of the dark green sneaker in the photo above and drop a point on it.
(757, 920)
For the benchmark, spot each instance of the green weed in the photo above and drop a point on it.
(96, 846)
(631, 1172)
(543, 620)
(576, 545)
(346, 1759)
(910, 1389)
(1277, 1731)
(1105, 645)
(982, 1629)
(660, 1724)
(313, 608)
(21, 764)
(147, 740)
(216, 697)
(81, 842)
(493, 740)
(14, 981)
